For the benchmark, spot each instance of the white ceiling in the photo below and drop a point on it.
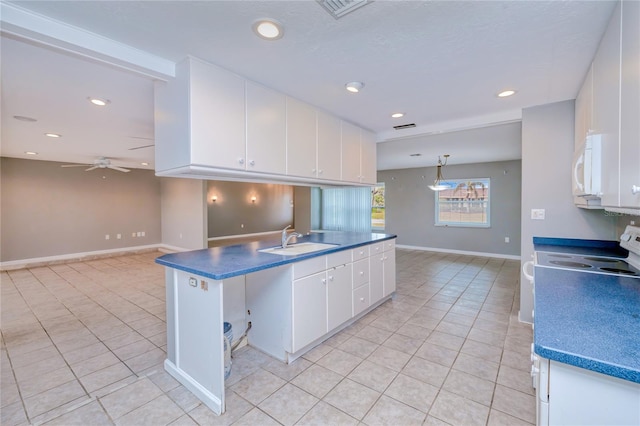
(440, 62)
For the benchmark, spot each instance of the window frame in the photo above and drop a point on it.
(384, 197)
(455, 183)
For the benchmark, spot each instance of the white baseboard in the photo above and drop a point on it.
(468, 253)
(84, 256)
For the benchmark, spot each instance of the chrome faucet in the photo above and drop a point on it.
(286, 238)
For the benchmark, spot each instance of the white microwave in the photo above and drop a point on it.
(587, 172)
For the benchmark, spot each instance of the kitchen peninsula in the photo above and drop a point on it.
(291, 301)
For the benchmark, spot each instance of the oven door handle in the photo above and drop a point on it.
(525, 266)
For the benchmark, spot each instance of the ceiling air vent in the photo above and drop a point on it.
(404, 126)
(339, 8)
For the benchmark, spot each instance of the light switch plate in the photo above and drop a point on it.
(537, 214)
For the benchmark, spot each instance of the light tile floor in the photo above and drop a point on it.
(83, 344)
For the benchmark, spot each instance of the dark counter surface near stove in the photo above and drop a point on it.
(577, 246)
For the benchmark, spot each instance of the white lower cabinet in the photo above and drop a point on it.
(309, 316)
(383, 269)
(292, 306)
(339, 295)
(569, 395)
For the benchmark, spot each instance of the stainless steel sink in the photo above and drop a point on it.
(296, 249)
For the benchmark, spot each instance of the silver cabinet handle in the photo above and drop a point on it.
(635, 189)
(362, 299)
(252, 163)
(361, 272)
(240, 160)
(331, 278)
(324, 281)
(320, 171)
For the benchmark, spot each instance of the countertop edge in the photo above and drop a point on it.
(279, 260)
(608, 369)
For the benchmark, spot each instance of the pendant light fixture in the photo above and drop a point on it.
(437, 184)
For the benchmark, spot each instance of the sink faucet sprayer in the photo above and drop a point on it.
(286, 238)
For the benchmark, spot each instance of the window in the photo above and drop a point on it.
(377, 207)
(464, 203)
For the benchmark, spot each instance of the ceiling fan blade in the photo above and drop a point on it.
(120, 169)
(140, 147)
(91, 168)
(74, 165)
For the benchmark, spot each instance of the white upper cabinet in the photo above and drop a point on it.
(350, 152)
(266, 130)
(213, 124)
(199, 118)
(329, 147)
(584, 109)
(606, 107)
(301, 139)
(630, 107)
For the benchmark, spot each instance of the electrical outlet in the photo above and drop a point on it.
(143, 234)
(204, 285)
(507, 240)
(242, 225)
(139, 234)
(133, 234)
(106, 237)
(119, 236)
(537, 214)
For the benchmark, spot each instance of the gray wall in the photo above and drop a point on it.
(233, 213)
(547, 153)
(183, 207)
(410, 208)
(51, 211)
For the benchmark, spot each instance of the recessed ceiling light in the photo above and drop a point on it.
(268, 29)
(506, 93)
(53, 135)
(24, 118)
(98, 101)
(354, 86)
(31, 153)
(397, 114)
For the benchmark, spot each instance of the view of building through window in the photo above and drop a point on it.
(464, 203)
(377, 206)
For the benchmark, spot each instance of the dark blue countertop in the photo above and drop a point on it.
(587, 320)
(576, 246)
(224, 262)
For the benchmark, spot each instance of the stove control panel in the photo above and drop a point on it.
(630, 239)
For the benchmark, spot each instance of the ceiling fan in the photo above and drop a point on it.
(100, 163)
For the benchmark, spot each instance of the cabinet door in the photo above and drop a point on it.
(350, 152)
(376, 279)
(606, 107)
(368, 155)
(630, 106)
(266, 130)
(339, 294)
(360, 272)
(217, 109)
(389, 272)
(329, 147)
(584, 105)
(301, 139)
(309, 310)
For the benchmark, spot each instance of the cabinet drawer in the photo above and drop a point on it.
(360, 253)
(310, 266)
(360, 299)
(389, 244)
(376, 248)
(339, 258)
(360, 272)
